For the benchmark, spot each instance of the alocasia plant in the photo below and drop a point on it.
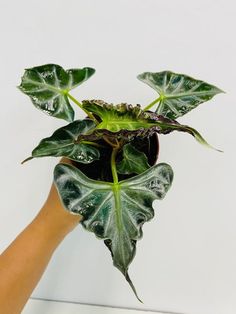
(113, 179)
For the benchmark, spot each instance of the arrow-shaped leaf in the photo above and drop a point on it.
(179, 93)
(63, 143)
(133, 161)
(48, 86)
(114, 212)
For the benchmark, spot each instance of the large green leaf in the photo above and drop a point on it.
(114, 212)
(179, 93)
(63, 142)
(124, 120)
(133, 161)
(48, 86)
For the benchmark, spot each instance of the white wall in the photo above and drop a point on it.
(186, 260)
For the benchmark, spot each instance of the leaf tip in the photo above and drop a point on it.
(127, 277)
(91, 70)
(220, 91)
(27, 159)
(140, 76)
(212, 147)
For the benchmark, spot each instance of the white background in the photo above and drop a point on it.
(186, 260)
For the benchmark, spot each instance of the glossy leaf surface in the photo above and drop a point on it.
(127, 119)
(133, 161)
(114, 212)
(63, 142)
(117, 117)
(179, 93)
(48, 86)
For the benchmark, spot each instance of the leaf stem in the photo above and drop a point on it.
(113, 165)
(81, 107)
(92, 143)
(152, 103)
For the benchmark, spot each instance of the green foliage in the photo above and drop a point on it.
(115, 118)
(114, 212)
(179, 93)
(133, 161)
(48, 87)
(63, 143)
(113, 181)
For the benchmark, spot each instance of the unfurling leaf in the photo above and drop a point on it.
(179, 93)
(63, 143)
(127, 121)
(133, 161)
(48, 86)
(114, 212)
(117, 117)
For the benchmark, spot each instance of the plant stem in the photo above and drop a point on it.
(152, 103)
(113, 165)
(81, 107)
(91, 143)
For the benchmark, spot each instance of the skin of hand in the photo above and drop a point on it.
(24, 261)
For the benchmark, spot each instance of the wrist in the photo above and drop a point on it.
(56, 222)
(55, 216)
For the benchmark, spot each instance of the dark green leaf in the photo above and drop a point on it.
(63, 142)
(114, 212)
(169, 127)
(48, 86)
(133, 161)
(179, 93)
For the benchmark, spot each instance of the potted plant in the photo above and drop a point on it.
(114, 178)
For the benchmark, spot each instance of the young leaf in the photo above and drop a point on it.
(127, 121)
(63, 142)
(116, 117)
(48, 86)
(133, 161)
(114, 212)
(179, 93)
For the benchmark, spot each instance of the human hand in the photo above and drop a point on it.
(54, 212)
(24, 261)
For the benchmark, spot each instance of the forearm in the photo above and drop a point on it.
(24, 261)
